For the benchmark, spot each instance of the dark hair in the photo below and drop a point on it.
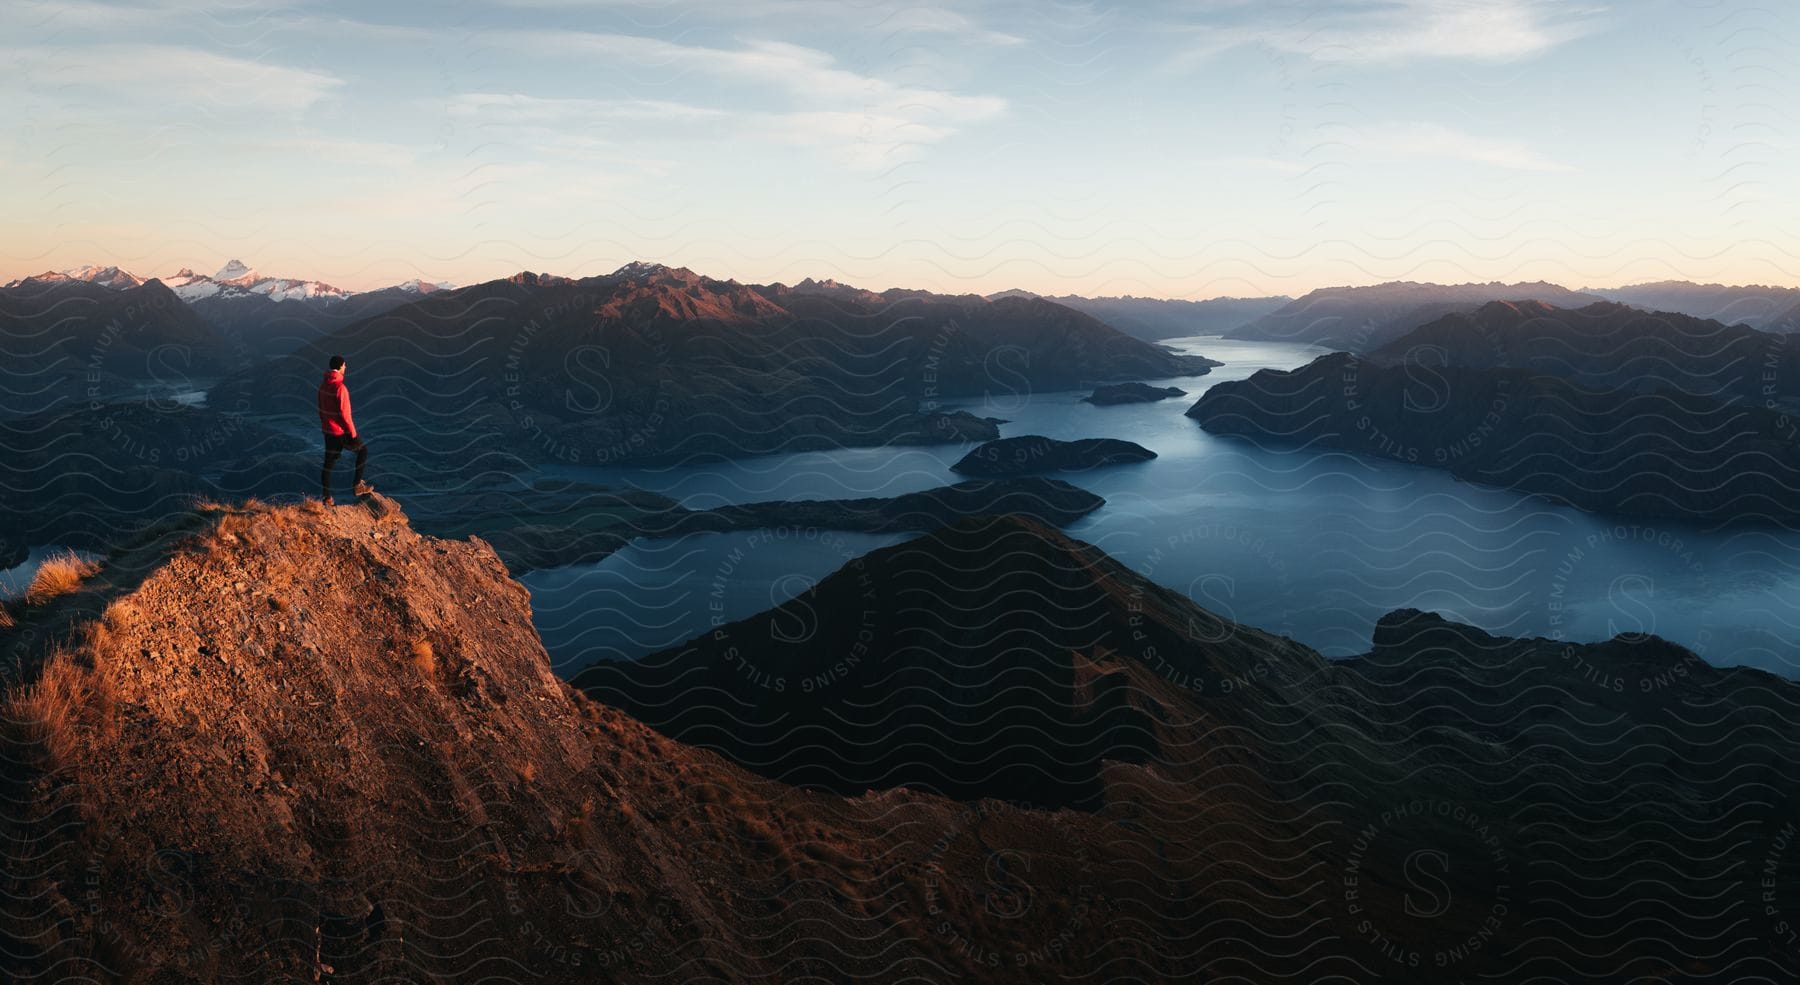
(337, 362)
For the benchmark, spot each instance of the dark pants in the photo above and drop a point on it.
(335, 444)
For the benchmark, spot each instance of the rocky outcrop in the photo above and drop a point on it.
(310, 744)
(1036, 453)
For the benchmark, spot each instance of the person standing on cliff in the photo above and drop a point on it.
(340, 430)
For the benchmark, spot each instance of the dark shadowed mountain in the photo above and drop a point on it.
(272, 326)
(1607, 409)
(68, 342)
(998, 658)
(991, 659)
(652, 362)
(1609, 345)
(1004, 345)
(1155, 319)
(1754, 305)
(1359, 319)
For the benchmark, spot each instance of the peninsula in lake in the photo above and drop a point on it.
(1606, 408)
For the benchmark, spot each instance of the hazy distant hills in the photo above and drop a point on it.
(1788, 322)
(1154, 319)
(652, 361)
(1605, 408)
(1359, 319)
(70, 340)
(1609, 345)
(1755, 305)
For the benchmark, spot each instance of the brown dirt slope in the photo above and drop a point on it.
(299, 744)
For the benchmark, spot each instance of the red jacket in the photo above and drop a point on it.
(334, 405)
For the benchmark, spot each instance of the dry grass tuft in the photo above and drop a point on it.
(6, 617)
(52, 713)
(424, 658)
(59, 575)
(529, 771)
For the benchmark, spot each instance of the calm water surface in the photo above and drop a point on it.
(1315, 545)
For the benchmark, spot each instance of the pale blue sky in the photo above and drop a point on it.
(1174, 149)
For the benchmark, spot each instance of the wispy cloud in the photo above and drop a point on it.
(864, 121)
(176, 78)
(1431, 141)
(520, 108)
(363, 153)
(1386, 31)
(881, 17)
(804, 73)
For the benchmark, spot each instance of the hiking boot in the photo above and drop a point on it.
(363, 489)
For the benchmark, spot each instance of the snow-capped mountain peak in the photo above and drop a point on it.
(238, 279)
(419, 285)
(109, 277)
(235, 270)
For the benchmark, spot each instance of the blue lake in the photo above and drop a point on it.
(1314, 545)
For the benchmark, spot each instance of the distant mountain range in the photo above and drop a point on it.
(234, 279)
(1755, 305)
(1362, 319)
(244, 318)
(654, 362)
(1359, 319)
(1155, 319)
(241, 300)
